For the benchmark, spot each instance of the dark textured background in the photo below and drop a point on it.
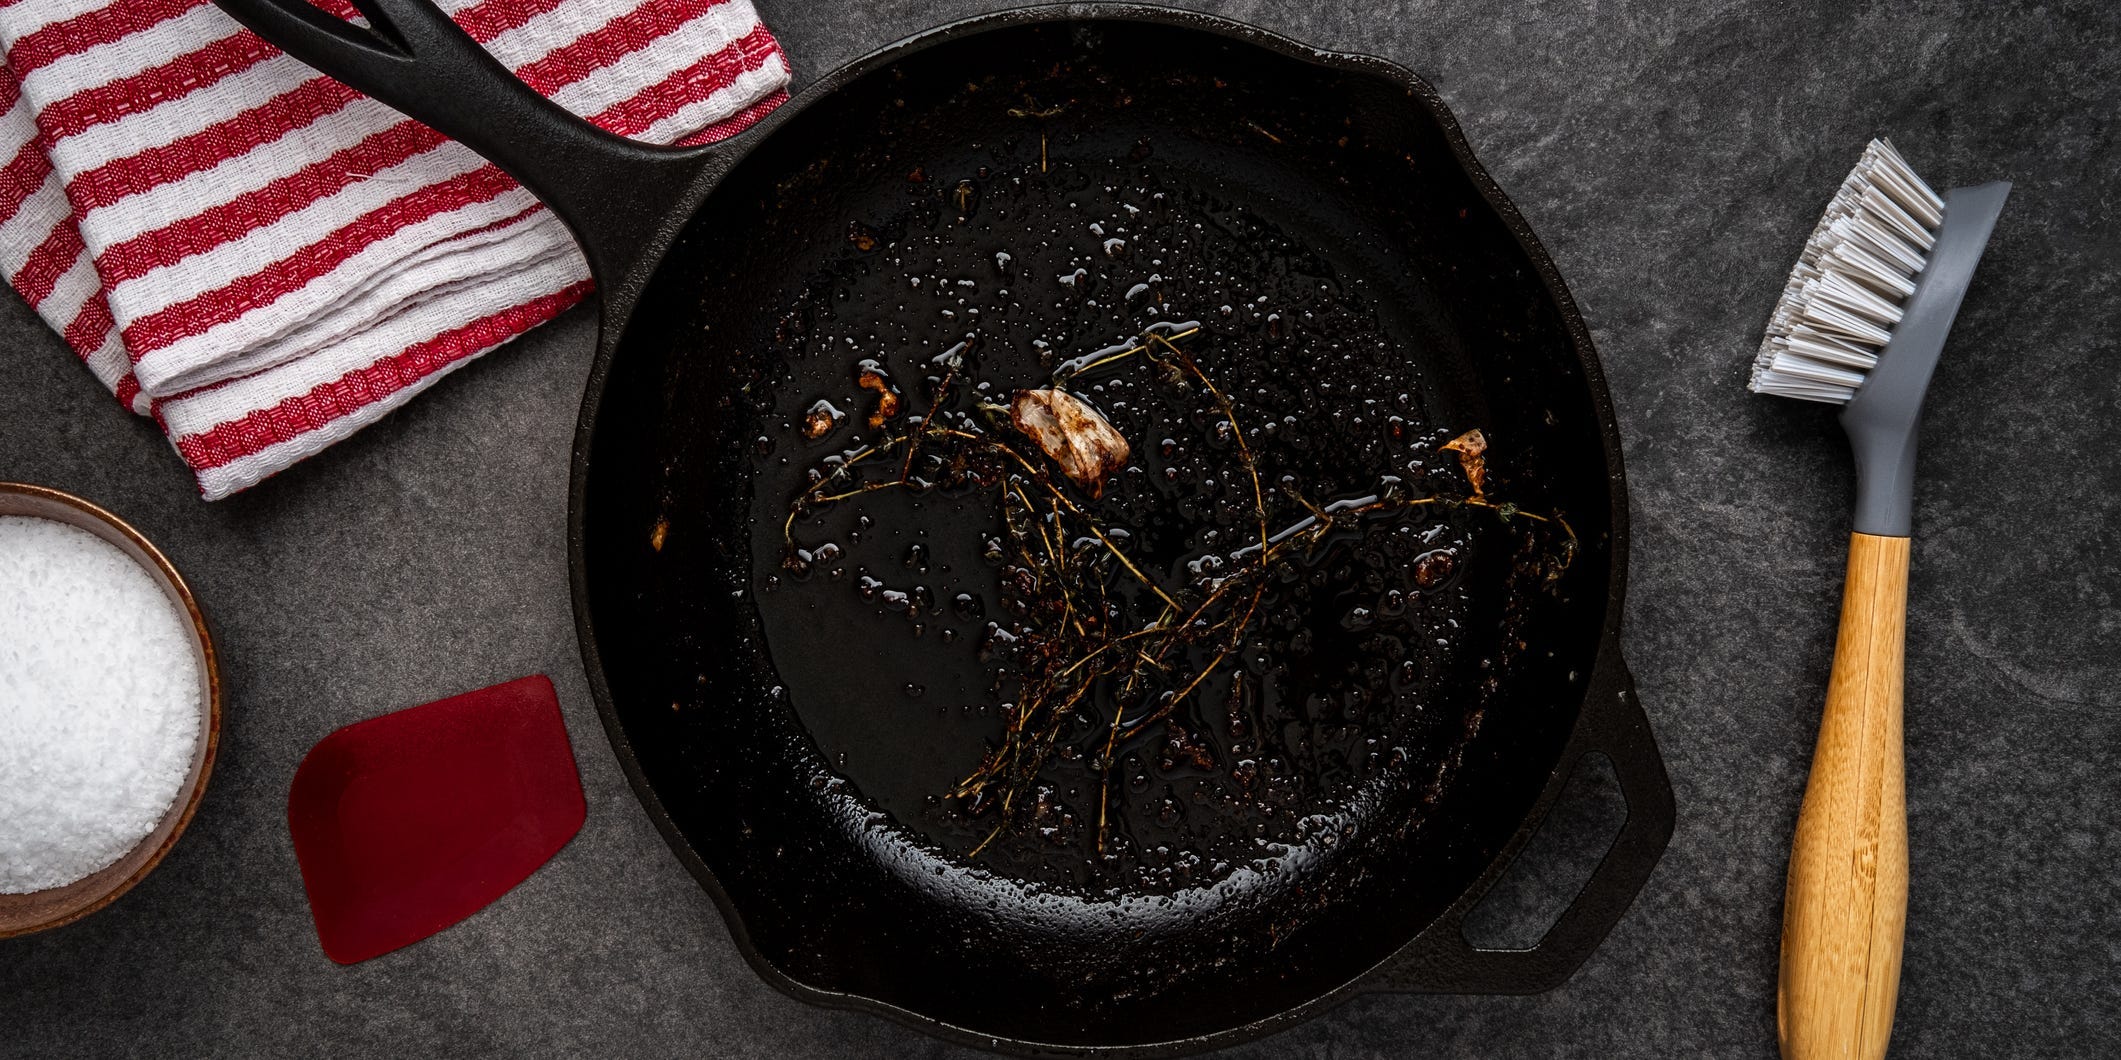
(1673, 159)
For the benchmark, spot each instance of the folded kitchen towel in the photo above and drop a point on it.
(266, 261)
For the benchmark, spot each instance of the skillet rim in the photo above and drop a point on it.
(616, 315)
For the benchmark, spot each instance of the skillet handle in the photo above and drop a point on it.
(616, 195)
(1441, 961)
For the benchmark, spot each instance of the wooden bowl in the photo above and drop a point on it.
(21, 914)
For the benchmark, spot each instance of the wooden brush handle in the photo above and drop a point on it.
(1845, 909)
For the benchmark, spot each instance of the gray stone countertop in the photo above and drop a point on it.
(1673, 158)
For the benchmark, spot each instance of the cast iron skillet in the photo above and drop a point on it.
(833, 902)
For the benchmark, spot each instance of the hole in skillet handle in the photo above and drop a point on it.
(1551, 870)
(1612, 727)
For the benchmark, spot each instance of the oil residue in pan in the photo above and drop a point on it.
(1361, 662)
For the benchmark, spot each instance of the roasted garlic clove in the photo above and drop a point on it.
(1066, 428)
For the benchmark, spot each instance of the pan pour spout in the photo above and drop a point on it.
(1073, 434)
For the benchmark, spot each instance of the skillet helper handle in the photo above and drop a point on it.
(1845, 911)
(1612, 724)
(615, 194)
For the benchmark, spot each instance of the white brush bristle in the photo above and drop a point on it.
(1843, 298)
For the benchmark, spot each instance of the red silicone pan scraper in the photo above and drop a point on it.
(407, 823)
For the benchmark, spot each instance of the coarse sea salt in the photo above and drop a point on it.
(99, 703)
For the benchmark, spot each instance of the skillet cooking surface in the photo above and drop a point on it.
(1387, 736)
(1352, 667)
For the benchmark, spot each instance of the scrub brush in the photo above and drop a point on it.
(1861, 324)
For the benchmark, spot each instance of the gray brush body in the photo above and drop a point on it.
(1882, 418)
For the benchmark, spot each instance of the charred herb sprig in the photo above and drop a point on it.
(1062, 566)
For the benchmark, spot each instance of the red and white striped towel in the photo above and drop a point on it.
(266, 261)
